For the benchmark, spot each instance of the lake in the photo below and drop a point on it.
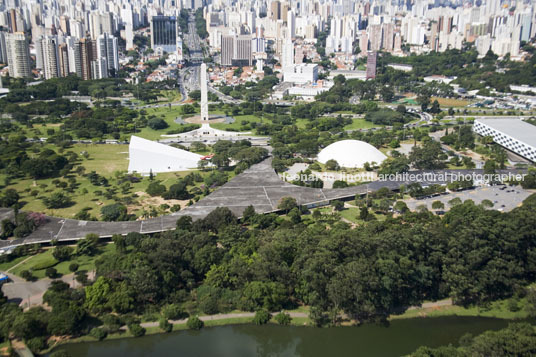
(399, 338)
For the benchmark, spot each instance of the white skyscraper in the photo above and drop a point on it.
(18, 55)
(107, 50)
(50, 56)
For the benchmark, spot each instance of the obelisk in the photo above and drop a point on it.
(204, 96)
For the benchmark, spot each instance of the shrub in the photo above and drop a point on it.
(194, 323)
(136, 330)
(99, 333)
(165, 325)
(262, 317)
(73, 267)
(283, 318)
(48, 263)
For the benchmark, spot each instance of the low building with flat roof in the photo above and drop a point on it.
(515, 135)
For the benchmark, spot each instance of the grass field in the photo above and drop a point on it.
(241, 122)
(6, 266)
(107, 160)
(358, 123)
(169, 114)
(450, 102)
(85, 262)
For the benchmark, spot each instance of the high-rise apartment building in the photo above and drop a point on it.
(63, 56)
(164, 33)
(236, 50)
(371, 64)
(18, 55)
(86, 48)
(107, 49)
(50, 56)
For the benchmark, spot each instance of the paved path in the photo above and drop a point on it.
(426, 305)
(30, 293)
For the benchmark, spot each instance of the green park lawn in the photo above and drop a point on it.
(7, 265)
(85, 262)
(359, 123)
(240, 124)
(168, 114)
(106, 160)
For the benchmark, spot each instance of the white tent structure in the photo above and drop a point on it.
(351, 153)
(146, 156)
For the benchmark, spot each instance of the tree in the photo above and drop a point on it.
(173, 312)
(364, 213)
(136, 330)
(57, 200)
(435, 109)
(332, 165)
(97, 294)
(262, 317)
(438, 205)
(387, 93)
(114, 212)
(9, 198)
(337, 205)
(455, 202)
(88, 245)
(157, 124)
(400, 207)
(490, 167)
(165, 325)
(156, 189)
(283, 318)
(194, 323)
(62, 253)
(98, 333)
(120, 243)
(73, 267)
(51, 273)
(287, 203)
(428, 157)
(184, 223)
(248, 213)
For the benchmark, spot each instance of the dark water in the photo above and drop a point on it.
(401, 337)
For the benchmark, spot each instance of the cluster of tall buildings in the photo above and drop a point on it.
(58, 38)
(81, 36)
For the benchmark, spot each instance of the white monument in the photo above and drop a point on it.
(204, 94)
(205, 131)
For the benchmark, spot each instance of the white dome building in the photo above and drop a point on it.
(351, 153)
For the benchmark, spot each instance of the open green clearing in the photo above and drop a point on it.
(109, 161)
(84, 262)
(359, 123)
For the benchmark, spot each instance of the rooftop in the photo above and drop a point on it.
(516, 128)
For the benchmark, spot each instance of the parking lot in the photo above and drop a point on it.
(504, 198)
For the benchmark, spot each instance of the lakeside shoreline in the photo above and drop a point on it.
(301, 319)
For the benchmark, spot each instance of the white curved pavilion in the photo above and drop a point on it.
(147, 156)
(351, 153)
